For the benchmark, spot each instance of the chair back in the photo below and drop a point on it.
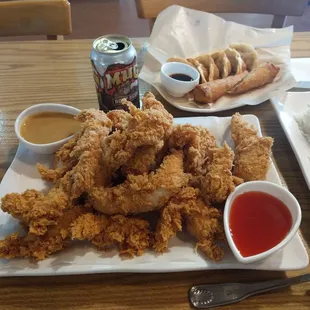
(279, 8)
(35, 17)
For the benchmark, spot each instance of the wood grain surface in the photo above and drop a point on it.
(59, 71)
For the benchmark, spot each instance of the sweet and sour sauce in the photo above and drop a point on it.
(258, 222)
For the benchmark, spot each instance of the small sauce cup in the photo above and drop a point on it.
(274, 190)
(177, 88)
(48, 148)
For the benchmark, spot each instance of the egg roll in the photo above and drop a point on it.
(259, 77)
(211, 91)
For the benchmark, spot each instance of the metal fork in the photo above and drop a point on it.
(214, 295)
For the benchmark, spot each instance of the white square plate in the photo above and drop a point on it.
(286, 107)
(81, 258)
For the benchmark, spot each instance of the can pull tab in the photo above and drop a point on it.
(107, 44)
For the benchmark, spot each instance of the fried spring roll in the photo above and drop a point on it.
(211, 91)
(259, 77)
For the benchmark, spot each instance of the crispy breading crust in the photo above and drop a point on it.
(218, 183)
(252, 153)
(202, 221)
(124, 163)
(142, 193)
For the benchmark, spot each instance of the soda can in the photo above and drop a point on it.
(115, 71)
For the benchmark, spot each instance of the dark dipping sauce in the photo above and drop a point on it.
(258, 222)
(181, 77)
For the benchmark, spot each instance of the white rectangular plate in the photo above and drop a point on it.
(81, 258)
(286, 107)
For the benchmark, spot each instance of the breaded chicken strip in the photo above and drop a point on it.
(36, 210)
(202, 221)
(172, 215)
(131, 235)
(252, 153)
(83, 162)
(52, 175)
(40, 247)
(218, 183)
(206, 225)
(148, 127)
(195, 141)
(142, 193)
(20, 205)
(63, 154)
(120, 119)
(143, 159)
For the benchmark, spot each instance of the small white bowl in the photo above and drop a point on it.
(48, 148)
(272, 189)
(175, 87)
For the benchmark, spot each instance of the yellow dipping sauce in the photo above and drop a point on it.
(48, 127)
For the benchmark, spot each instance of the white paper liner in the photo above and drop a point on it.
(183, 32)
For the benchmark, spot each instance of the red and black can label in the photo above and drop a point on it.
(118, 81)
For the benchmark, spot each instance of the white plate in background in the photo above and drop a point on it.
(83, 258)
(286, 107)
(184, 32)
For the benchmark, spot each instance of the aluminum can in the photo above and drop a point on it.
(115, 71)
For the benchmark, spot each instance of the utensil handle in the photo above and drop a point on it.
(213, 295)
(260, 287)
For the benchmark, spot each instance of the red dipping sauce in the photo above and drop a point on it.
(258, 222)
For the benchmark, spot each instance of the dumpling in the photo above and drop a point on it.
(180, 59)
(222, 63)
(203, 71)
(236, 61)
(208, 62)
(248, 54)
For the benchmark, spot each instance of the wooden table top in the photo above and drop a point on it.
(59, 71)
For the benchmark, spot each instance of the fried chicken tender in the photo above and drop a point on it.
(70, 152)
(40, 247)
(131, 235)
(171, 217)
(52, 175)
(252, 153)
(81, 156)
(36, 210)
(196, 142)
(143, 160)
(20, 205)
(144, 157)
(147, 127)
(96, 126)
(206, 225)
(120, 119)
(202, 221)
(218, 183)
(142, 193)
